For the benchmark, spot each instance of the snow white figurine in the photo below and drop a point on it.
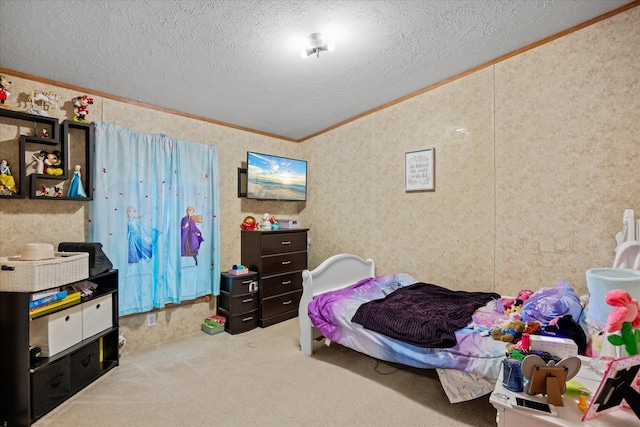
(6, 179)
(76, 189)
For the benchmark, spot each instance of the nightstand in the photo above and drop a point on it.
(568, 415)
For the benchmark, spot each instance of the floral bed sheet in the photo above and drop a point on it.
(475, 352)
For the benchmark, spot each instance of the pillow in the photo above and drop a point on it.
(548, 303)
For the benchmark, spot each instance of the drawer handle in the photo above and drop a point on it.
(86, 361)
(287, 282)
(287, 302)
(66, 319)
(98, 307)
(246, 319)
(286, 242)
(286, 262)
(56, 381)
(247, 300)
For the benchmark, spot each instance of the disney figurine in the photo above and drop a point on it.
(76, 189)
(265, 224)
(44, 133)
(6, 179)
(52, 163)
(4, 91)
(39, 158)
(81, 111)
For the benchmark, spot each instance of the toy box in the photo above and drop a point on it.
(213, 324)
(212, 330)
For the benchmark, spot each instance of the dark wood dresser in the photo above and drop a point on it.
(279, 257)
(238, 302)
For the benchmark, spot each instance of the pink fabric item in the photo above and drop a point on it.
(627, 310)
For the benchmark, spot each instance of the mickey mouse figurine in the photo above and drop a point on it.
(53, 163)
(4, 91)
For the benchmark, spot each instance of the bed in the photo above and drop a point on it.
(335, 291)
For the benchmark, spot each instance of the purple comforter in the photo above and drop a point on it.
(422, 314)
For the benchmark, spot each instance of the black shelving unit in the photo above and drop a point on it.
(32, 388)
(59, 137)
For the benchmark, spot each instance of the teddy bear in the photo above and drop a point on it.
(508, 331)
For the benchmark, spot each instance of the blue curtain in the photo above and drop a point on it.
(155, 210)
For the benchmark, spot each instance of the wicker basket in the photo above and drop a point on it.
(33, 276)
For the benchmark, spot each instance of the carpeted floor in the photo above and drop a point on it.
(260, 378)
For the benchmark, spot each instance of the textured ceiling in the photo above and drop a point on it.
(238, 62)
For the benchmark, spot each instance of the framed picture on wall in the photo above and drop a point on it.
(419, 170)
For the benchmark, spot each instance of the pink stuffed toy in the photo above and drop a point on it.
(624, 318)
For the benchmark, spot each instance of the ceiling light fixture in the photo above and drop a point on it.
(317, 45)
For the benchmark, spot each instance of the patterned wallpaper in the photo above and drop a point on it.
(536, 159)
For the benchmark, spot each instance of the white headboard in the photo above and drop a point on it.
(336, 272)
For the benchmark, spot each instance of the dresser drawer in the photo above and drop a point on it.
(239, 285)
(50, 386)
(239, 303)
(276, 264)
(239, 323)
(282, 283)
(283, 242)
(280, 304)
(85, 365)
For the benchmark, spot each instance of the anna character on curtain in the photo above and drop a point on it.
(139, 242)
(191, 236)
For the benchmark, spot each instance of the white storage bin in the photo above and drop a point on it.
(56, 332)
(97, 315)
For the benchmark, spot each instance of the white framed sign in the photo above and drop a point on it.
(419, 170)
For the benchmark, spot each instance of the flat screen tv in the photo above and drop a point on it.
(276, 178)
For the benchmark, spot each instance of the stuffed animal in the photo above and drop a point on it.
(532, 328)
(516, 306)
(566, 327)
(508, 331)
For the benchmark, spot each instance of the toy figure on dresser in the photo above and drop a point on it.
(265, 224)
(53, 163)
(249, 223)
(7, 183)
(4, 91)
(44, 133)
(76, 189)
(81, 111)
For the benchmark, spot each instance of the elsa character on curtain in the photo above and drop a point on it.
(139, 241)
(76, 189)
(191, 236)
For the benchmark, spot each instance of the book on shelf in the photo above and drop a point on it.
(42, 294)
(47, 299)
(72, 298)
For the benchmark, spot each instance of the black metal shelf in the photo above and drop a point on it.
(55, 139)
